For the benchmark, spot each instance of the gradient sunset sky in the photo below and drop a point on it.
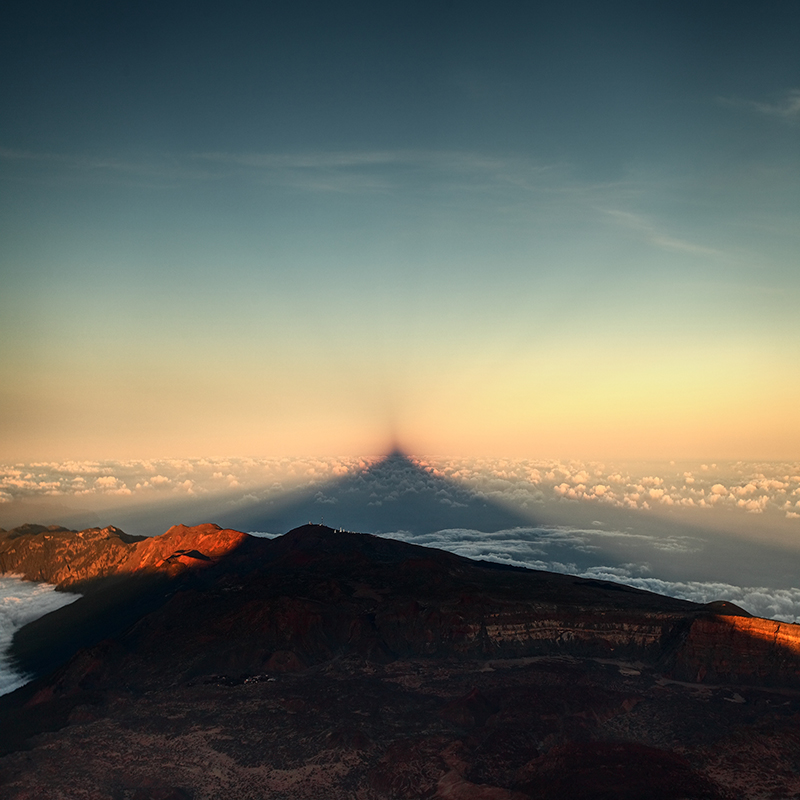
(567, 229)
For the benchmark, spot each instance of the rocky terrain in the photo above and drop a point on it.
(69, 558)
(332, 664)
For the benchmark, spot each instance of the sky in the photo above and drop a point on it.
(561, 230)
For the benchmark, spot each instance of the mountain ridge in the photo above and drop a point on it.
(498, 611)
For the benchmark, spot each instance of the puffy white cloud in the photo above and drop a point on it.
(756, 505)
(570, 492)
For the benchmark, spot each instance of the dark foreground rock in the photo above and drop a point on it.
(336, 665)
(543, 728)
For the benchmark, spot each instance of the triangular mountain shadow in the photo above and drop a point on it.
(394, 494)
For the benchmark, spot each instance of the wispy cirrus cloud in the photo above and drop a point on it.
(324, 171)
(446, 160)
(153, 171)
(786, 106)
(651, 233)
(85, 162)
(376, 170)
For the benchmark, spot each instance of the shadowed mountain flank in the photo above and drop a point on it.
(393, 494)
(121, 578)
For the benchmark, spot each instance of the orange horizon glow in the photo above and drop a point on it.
(514, 407)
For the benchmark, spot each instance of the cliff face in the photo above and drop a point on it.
(727, 649)
(66, 558)
(183, 546)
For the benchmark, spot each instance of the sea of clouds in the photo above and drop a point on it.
(569, 551)
(748, 487)
(22, 602)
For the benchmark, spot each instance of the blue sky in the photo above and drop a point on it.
(523, 229)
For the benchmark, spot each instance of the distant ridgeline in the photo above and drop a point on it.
(67, 558)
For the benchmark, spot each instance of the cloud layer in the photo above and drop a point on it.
(753, 488)
(747, 487)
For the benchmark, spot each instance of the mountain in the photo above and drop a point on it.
(332, 664)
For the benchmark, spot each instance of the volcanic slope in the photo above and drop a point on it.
(334, 664)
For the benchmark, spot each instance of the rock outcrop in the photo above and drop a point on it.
(737, 649)
(68, 558)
